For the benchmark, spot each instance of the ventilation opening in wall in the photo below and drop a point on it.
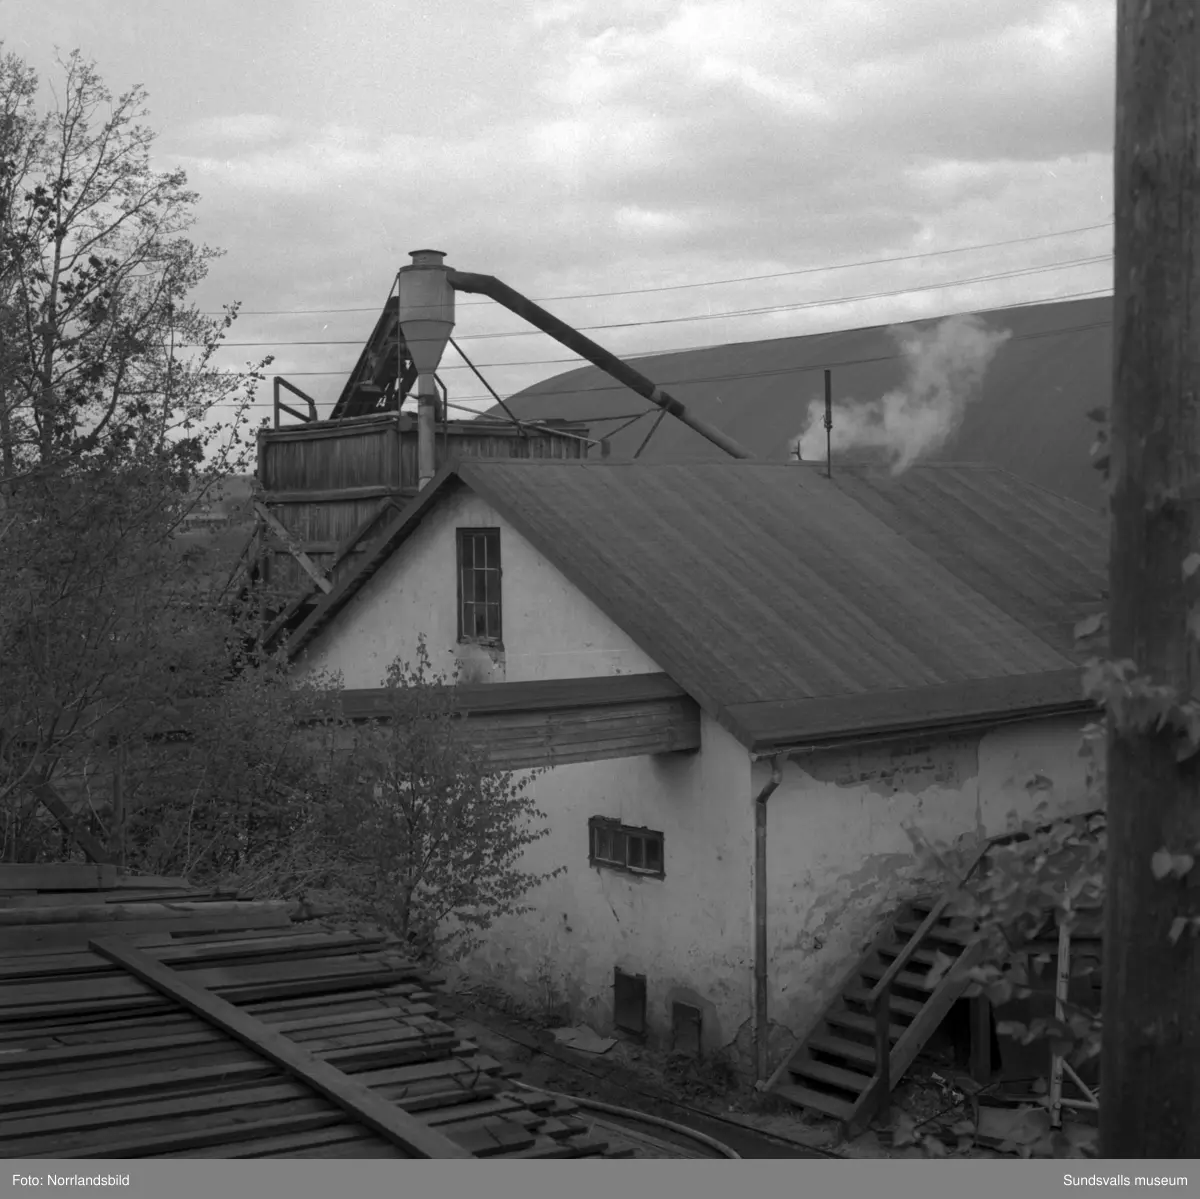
(629, 1002)
(685, 1029)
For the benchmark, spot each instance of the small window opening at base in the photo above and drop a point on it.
(629, 1002)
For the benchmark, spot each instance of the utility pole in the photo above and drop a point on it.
(1150, 1062)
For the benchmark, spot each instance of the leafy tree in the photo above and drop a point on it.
(1055, 870)
(234, 795)
(109, 436)
(427, 838)
(95, 272)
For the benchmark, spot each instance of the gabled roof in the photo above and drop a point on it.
(1029, 417)
(792, 606)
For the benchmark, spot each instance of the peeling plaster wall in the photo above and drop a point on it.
(689, 933)
(551, 630)
(837, 853)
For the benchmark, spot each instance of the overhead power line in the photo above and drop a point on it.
(802, 368)
(811, 270)
(1014, 273)
(639, 354)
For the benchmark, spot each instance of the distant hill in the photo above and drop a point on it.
(1028, 418)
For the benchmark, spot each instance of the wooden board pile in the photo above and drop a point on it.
(218, 1027)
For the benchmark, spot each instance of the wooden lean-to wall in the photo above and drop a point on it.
(323, 480)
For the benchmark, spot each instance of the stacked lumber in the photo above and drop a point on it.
(63, 906)
(287, 1041)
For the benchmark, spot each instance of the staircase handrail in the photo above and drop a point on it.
(935, 914)
(877, 1001)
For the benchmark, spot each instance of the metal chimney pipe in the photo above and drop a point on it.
(426, 316)
(829, 424)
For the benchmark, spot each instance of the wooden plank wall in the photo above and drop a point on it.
(322, 480)
(520, 740)
(555, 721)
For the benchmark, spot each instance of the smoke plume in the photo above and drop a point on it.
(944, 370)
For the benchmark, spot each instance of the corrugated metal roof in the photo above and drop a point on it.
(759, 586)
(1029, 417)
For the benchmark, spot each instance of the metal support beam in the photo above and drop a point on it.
(487, 285)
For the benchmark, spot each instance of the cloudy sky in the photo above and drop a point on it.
(663, 150)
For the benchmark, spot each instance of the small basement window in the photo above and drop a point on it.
(629, 1002)
(479, 585)
(685, 1029)
(619, 847)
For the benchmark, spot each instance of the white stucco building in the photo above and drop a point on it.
(695, 647)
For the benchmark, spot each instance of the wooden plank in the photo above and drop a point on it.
(322, 1142)
(150, 1117)
(558, 745)
(77, 1049)
(539, 695)
(77, 913)
(308, 987)
(370, 1148)
(312, 945)
(21, 939)
(57, 807)
(120, 1024)
(494, 1138)
(368, 1109)
(75, 993)
(393, 1077)
(136, 1109)
(108, 1020)
(293, 548)
(58, 899)
(164, 1063)
(226, 1134)
(65, 876)
(319, 1142)
(150, 1001)
(137, 881)
(331, 495)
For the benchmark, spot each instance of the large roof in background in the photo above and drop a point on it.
(1029, 419)
(793, 606)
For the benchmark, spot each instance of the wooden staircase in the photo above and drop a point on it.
(841, 1069)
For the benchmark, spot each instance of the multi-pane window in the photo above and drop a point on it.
(619, 847)
(479, 585)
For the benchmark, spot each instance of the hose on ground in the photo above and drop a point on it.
(628, 1113)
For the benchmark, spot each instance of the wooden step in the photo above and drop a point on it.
(939, 932)
(852, 1051)
(923, 908)
(863, 1024)
(906, 1007)
(923, 957)
(841, 1109)
(835, 1076)
(906, 978)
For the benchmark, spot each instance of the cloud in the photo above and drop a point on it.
(241, 129)
(580, 146)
